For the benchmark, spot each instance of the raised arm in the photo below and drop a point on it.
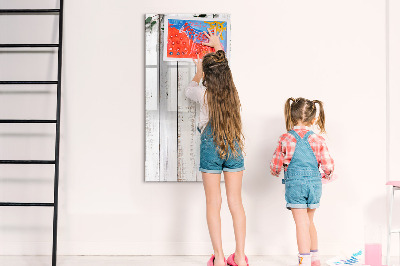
(199, 70)
(195, 91)
(213, 39)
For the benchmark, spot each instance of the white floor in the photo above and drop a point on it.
(143, 260)
(135, 260)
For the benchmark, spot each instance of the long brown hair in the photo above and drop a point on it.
(223, 104)
(303, 110)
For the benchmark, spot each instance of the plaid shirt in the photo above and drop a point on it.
(287, 144)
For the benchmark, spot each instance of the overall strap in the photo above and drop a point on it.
(297, 136)
(308, 134)
(294, 133)
(303, 164)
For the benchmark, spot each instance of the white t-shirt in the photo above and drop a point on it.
(196, 92)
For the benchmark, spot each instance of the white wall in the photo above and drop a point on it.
(393, 109)
(333, 51)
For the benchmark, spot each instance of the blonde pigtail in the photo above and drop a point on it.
(321, 116)
(288, 114)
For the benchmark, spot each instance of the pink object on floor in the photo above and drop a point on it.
(333, 178)
(393, 183)
(211, 261)
(373, 254)
(316, 263)
(231, 260)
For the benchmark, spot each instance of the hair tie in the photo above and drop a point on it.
(219, 64)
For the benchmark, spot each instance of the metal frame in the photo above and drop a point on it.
(56, 160)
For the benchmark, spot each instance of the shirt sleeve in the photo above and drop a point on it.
(278, 157)
(326, 162)
(195, 91)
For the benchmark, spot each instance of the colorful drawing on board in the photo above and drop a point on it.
(184, 37)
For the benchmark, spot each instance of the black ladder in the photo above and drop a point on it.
(57, 82)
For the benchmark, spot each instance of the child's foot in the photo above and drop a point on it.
(237, 260)
(315, 258)
(316, 263)
(216, 261)
(304, 260)
(240, 260)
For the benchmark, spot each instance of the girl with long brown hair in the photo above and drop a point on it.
(221, 147)
(302, 153)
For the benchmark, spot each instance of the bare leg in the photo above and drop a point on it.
(233, 184)
(313, 230)
(302, 221)
(212, 188)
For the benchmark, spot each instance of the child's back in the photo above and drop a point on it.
(287, 146)
(302, 153)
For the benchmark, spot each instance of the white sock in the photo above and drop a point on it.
(314, 255)
(305, 260)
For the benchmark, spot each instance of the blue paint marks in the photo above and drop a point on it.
(194, 29)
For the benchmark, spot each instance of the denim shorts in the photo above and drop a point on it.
(303, 193)
(211, 161)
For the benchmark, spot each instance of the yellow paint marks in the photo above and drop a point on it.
(218, 25)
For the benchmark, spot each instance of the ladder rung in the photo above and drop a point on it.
(27, 161)
(395, 231)
(33, 204)
(27, 121)
(29, 82)
(6, 11)
(33, 45)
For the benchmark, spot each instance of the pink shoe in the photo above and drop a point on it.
(231, 260)
(211, 261)
(316, 263)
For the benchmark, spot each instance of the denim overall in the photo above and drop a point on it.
(210, 160)
(302, 181)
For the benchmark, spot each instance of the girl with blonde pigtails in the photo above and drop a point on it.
(302, 154)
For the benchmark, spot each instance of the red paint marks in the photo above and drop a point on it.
(180, 46)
